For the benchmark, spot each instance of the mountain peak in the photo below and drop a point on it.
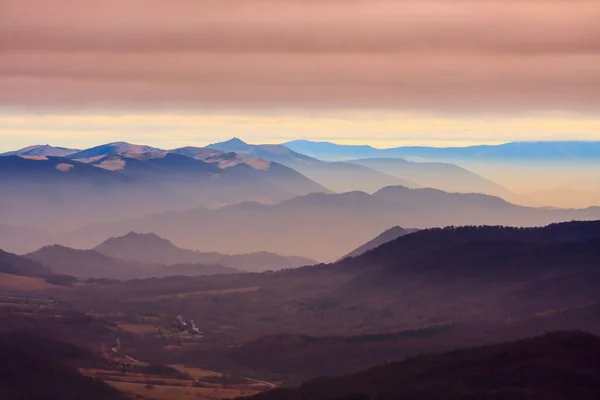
(235, 140)
(114, 148)
(41, 150)
(148, 238)
(232, 144)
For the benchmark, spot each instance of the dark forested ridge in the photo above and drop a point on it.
(35, 367)
(557, 366)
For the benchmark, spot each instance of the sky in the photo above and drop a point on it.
(387, 73)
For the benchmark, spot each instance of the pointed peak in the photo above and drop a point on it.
(235, 140)
(232, 144)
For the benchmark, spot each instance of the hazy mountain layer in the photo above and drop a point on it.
(337, 176)
(53, 191)
(150, 248)
(444, 176)
(323, 226)
(549, 151)
(85, 264)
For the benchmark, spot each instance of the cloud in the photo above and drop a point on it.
(431, 55)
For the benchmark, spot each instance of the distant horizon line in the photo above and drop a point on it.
(8, 150)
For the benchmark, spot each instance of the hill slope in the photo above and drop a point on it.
(42, 150)
(17, 265)
(151, 248)
(337, 176)
(386, 236)
(34, 367)
(84, 264)
(113, 148)
(562, 365)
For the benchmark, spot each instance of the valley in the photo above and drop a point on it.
(275, 294)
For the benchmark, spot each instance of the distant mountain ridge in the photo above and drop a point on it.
(151, 248)
(347, 220)
(444, 176)
(342, 176)
(118, 185)
(337, 176)
(515, 151)
(114, 148)
(42, 150)
(85, 264)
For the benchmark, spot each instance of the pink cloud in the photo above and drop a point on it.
(417, 54)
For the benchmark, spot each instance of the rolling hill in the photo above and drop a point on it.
(42, 150)
(150, 248)
(85, 264)
(436, 290)
(17, 265)
(387, 236)
(560, 365)
(119, 148)
(35, 367)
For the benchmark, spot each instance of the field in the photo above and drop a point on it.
(193, 383)
(159, 392)
(14, 283)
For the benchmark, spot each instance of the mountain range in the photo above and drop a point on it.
(337, 176)
(346, 220)
(86, 264)
(48, 191)
(550, 151)
(150, 248)
(135, 256)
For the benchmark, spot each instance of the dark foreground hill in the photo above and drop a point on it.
(487, 284)
(35, 368)
(17, 265)
(556, 366)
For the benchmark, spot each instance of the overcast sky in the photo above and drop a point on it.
(170, 72)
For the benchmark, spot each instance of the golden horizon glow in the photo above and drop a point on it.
(375, 128)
